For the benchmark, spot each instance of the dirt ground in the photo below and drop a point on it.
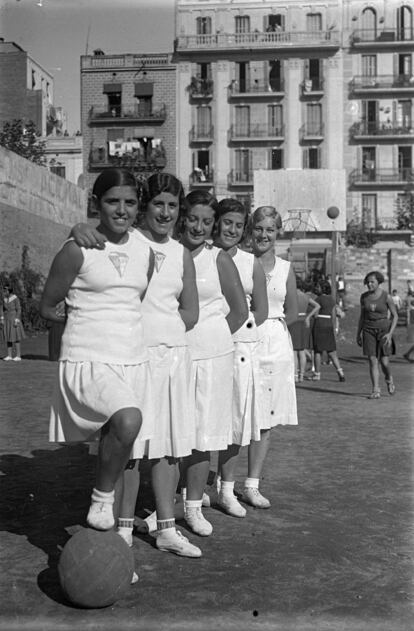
(334, 552)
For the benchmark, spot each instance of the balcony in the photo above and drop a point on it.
(382, 131)
(201, 134)
(240, 178)
(381, 177)
(100, 159)
(311, 132)
(256, 89)
(256, 133)
(386, 38)
(202, 178)
(312, 87)
(259, 40)
(201, 89)
(122, 114)
(382, 83)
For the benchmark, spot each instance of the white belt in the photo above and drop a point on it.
(323, 316)
(301, 314)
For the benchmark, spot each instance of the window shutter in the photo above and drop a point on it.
(305, 159)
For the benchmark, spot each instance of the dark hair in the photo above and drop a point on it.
(325, 288)
(300, 284)
(204, 198)
(158, 183)
(110, 178)
(380, 278)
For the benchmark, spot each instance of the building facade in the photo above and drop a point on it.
(128, 113)
(297, 85)
(26, 88)
(64, 157)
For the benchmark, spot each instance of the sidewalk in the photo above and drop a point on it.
(333, 553)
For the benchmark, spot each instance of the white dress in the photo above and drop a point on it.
(169, 358)
(276, 357)
(246, 377)
(103, 364)
(211, 348)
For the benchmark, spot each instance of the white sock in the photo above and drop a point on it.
(165, 526)
(193, 504)
(103, 496)
(226, 488)
(251, 483)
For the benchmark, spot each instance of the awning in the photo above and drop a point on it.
(112, 87)
(144, 89)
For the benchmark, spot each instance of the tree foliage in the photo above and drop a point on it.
(357, 235)
(22, 138)
(404, 211)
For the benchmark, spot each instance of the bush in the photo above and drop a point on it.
(357, 235)
(26, 284)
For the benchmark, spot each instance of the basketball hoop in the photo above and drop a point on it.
(299, 222)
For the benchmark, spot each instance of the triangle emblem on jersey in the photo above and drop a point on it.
(268, 277)
(159, 258)
(119, 260)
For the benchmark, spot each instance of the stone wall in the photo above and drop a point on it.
(37, 209)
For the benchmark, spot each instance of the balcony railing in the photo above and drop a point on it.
(311, 131)
(100, 158)
(240, 178)
(257, 39)
(123, 113)
(256, 88)
(202, 134)
(363, 128)
(382, 176)
(382, 82)
(156, 60)
(311, 86)
(366, 36)
(202, 178)
(201, 88)
(256, 132)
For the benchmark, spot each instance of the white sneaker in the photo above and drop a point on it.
(197, 522)
(253, 497)
(17, 359)
(175, 542)
(7, 358)
(126, 536)
(135, 578)
(206, 501)
(100, 516)
(231, 505)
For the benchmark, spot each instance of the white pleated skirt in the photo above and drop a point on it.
(87, 394)
(173, 428)
(212, 384)
(246, 382)
(277, 392)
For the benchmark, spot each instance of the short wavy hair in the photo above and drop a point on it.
(378, 275)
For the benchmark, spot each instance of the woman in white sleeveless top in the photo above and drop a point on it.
(231, 222)
(211, 347)
(103, 389)
(277, 395)
(170, 308)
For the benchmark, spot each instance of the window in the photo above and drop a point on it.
(276, 159)
(369, 211)
(203, 26)
(402, 114)
(312, 158)
(405, 162)
(33, 80)
(275, 75)
(203, 71)
(242, 120)
(405, 65)
(369, 65)
(242, 24)
(368, 164)
(242, 75)
(203, 121)
(242, 165)
(275, 119)
(58, 170)
(274, 22)
(370, 116)
(405, 23)
(369, 24)
(201, 166)
(313, 22)
(314, 119)
(313, 69)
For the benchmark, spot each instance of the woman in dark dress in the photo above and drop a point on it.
(324, 332)
(375, 331)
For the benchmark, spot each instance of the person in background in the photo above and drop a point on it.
(375, 331)
(397, 300)
(11, 326)
(341, 292)
(300, 329)
(324, 332)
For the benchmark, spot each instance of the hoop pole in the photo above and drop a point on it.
(333, 263)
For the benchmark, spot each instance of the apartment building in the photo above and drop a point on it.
(128, 113)
(276, 85)
(26, 88)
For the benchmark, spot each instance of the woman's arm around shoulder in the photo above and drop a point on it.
(290, 306)
(63, 271)
(87, 236)
(188, 299)
(232, 290)
(260, 304)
